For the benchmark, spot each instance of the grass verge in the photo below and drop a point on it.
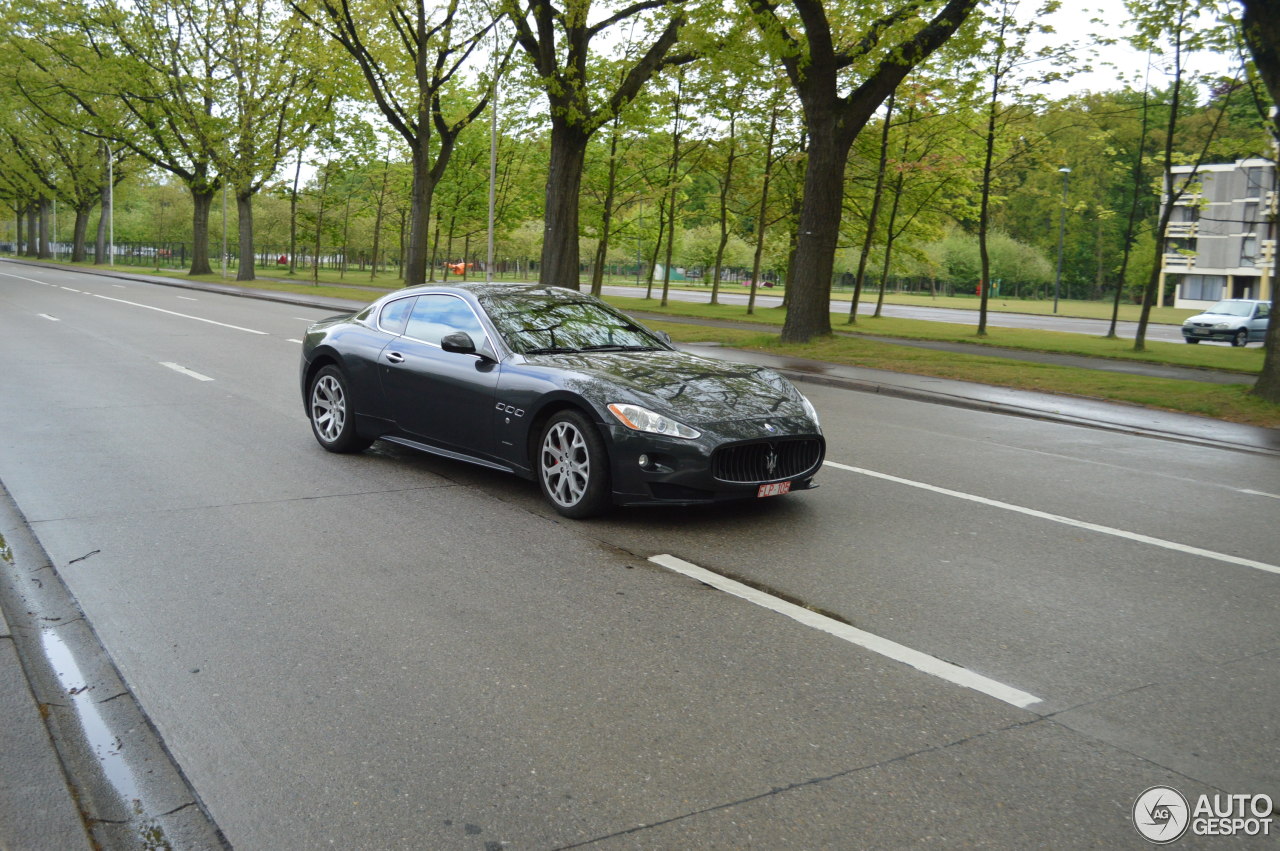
(1229, 402)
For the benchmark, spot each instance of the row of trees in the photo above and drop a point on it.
(833, 135)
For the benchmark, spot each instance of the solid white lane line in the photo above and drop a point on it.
(1068, 521)
(1260, 493)
(28, 280)
(187, 298)
(183, 315)
(291, 340)
(188, 372)
(146, 306)
(47, 316)
(920, 661)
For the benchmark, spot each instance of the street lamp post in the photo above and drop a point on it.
(111, 208)
(1062, 232)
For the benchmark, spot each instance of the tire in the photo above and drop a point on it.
(1192, 340)
(1241, 338)
(332, 417)
(573, 466)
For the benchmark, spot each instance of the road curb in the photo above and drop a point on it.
(105, 779)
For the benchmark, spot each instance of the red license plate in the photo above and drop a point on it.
(775, 489)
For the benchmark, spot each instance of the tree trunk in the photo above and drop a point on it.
(293, 217)
(78, 252)
(606, 221)
(560, 265)
(415, 265)
(725, 186)
(377, 221)
(244, 215)
(33, 230)
(873, 218)
(45, 251)
(1262, 34)
(657, 244)
(809, 314)
(202, 203)
(100, 238)
(764, 208)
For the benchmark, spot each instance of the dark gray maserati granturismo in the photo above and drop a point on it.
(557, 386)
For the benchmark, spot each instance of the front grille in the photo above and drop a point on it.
(766, 461)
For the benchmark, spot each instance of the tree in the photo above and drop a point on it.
(559, 45)
(1261, 31)
(1173, 19)
(1007, 59)
(817, 58)
(408, 55)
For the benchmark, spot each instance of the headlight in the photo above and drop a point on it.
(810, 410)
(1222, 326)
(642, 419)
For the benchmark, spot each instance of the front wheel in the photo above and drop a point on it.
(1241, 337)
(1191, 340)
(573, 466)
(332, 417)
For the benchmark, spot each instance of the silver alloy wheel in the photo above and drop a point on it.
(328, 408)
(565, 463)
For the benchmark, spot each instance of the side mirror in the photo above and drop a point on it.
(664, 336)
(459, 343)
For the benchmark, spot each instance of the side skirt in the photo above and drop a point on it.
(445, 453)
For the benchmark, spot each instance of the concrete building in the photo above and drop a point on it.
(1221, 241)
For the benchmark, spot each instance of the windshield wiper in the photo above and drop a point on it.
(613, 347)
(551, 350)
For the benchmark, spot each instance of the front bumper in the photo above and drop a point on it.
(1200, 333)
(700, 471)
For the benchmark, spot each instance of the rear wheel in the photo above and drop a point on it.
(1241, 337)
(1191, 340)
(332, 417)
(573, 466)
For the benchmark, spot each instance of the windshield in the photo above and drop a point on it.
(1232, 308)
(533, 326)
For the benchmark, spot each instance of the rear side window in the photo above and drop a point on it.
(395, 315)
(437, 316)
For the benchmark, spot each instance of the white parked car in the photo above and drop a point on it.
(1236, 320)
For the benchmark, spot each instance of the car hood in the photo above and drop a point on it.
(693, 389)
(1213, 317)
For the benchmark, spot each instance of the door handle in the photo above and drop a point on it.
(395, 357)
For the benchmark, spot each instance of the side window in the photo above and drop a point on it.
(437, 316)
(394, 315)
(1264, 311)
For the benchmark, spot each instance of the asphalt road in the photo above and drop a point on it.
(732, 294)
(394, 651)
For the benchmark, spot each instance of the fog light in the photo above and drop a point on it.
(644, 460)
